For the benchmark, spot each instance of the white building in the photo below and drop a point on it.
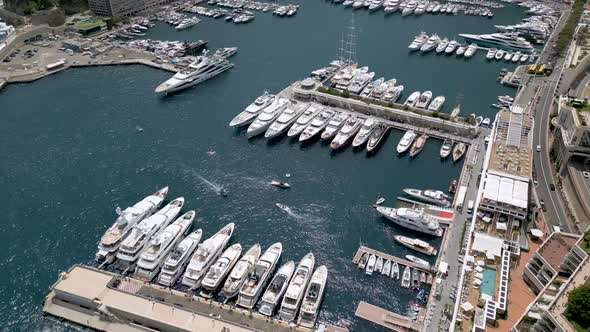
(5, 31)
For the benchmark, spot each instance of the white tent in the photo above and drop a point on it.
(477, 282)
(479, 275)
(468, 268)
(467, 306)
(501, 226)
(490, 256)
(478, 269)
(443, 267)
(486, 219)
(536, 233)
(481, 263)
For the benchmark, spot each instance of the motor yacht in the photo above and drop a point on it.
(256, 282)
(459, 151)
(446, 148)
(313, 297)
(395, 271)
(418, 42)
(296, 289)
(334, 125)
(424, 99)
(376, 136)
(435, 197)
(418, 145)
(507, 41)
(178, 258)
(386, 268)
(369, 88)
(359, 82)
(421, 8)
(276, 289)
(461, 49)
(225, 52)
(317, 124)
(370, 265)
(286, 119)
(409, 8)
(431, 44)
(417, 260)
(267, 117)
(219, 270)
(349, 129)
(470, 51)
(416, 244)
(499, 55)
(516, 57)
(239, 274)
(406, 141)
(381, 89)
(442, 46)
(491, 53)
(253, 110)
(365, 132)
(436, 104)
(375, 4)
(412, 99)
(199, 71)
(411, 218)
(451, 47)
(406, 278)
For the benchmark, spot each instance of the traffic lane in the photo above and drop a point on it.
(583, 182)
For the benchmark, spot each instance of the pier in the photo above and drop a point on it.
(385, 318)
(405, 262)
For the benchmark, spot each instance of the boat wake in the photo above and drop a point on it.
(218, 189)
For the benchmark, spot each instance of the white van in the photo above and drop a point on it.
(470, 207)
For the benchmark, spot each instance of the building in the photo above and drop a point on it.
(114, 8)
(5, 31)
(572, 135)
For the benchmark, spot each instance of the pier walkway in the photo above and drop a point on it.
(405, 262)
(385, 318)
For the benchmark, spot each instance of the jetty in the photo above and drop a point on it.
(385, 318)
(402, 261)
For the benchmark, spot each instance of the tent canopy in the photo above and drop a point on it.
(443, 267)
(467, 306)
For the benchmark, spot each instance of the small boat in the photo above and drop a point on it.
(423, 278)
(459, 151)
(479, 120)
(379, 264)
(415, 278)
(363, 261)
(436, 104)
(418, 145)
(407, 277)
(446, 148)
(486, 122)
(376, 136)
(138, 128)
(453, 186)
(491, 53)
(417, 260)
(283, 207)
(416, 244)
(508, 56)
(280, 184)
(499, 55)
(370, 265)
(456, 111)
(395, 271)
(386, 270)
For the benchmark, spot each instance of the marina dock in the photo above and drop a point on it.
(405, 262)
(385, 318)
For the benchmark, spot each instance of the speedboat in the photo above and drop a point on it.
(280, 184)
(453, 186)
(379, 264)
(406, 141)
(418, 145)
(395, 270)
(253, 110)
(436, 104)
(334, 125)
(377, 135)
(363, 260)
(416, 244)
(435, 197)
(442, 46)
(424, 99)
(491, 53)
(417, 260)
(283, 207)
(240, 272)
(386, 270)
(446, 148)
(177, 259)
(418, 42)
(431, 44)
(365, 132)
(128, 218)
(453, 44)
(470, 50)
(220, 269)
(206, 253)
(508, 56)
(256, 282)
(459, 151)
(516, 57)
(350, 128)
(285, 120)
(415, 278)
(152, 258)
(486, 122)
(369, 88)
(313, 297)
(371, 264)
(406, 278)
(317, 124)
(412, 218)
(412, 99)
(267, 117)
(304, 120)
(276, 289)
(499, 55)
(524, 57)
(296, 289)
(479, 120)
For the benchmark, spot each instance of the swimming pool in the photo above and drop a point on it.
(488, 284)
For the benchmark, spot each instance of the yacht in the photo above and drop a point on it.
(459, 151)
(334, 125)
(178, 258)
(505, 41)
(359, 82)
(296, 289)
(412, 99)
(442, 46)
(239, 274)
(418, 42)
(393, 93)
(446, 148)
(253, 110)
(415, 278)
(431, 44)
(406, 141)
(386, 268)
(219, 270)
(461, 49)
(348, 3)
(424, 99)
(491, 53)
(313, 298)
(267, 117)
(379, 264)
(375, 4)
(391, 6)
(369, 88)
(348, 77)
(317, 124)
(418, 145)
(524, 57)
(409, 8)
(435, 197)
(187, 23)
(516, 57)
(381, 89)
(436, 8)
(470, 51)
(128, 218)
(285, 120)
(365, 132)
(420, 9)
(199, 71)
(276, 289)
(358, 4)
(304, 120)
(225, 52)
(417, 260)
(206, 253)
(152, 258)
(377, 135)
(486, 122)
(139, 237)
(349, 129)
(453, 44)
(257, 279)
(406, 277)
(436, 104)
(415, 219)
(499, 55)
(416, 244)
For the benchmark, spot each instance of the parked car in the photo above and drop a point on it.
(552, 187)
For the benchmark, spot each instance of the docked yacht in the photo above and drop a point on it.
(505, 41)
(406, 141)
(417, 260)
(199, 71)
(424, 99)
(370, 265)
(365, 132)
(128, 218)
(313, 298)
(139, 237)
(431, 44)
(491, 53)
(219, 270)
(359, 82)
(381, 89)
(225, 52)
(459, 151)
(418, 145)
(415, 219)
(446, 148)
(348, 77)
(416, 244)
(187, 23)
(254, 285)
(421, 8)
(304, 120)
(350, 128)
(409, 8)
(317, 124)
(241, 271)
(375, 4)
(461, 49)
(152, 258)
(377, 135)
(369, 88)
(176, 261)
(436, 104)
(412, 99)
(296, 289)
(406, 277)
(285, 120)
(442, 46)
(418, 42)
(334, 125)
(267, 117)
(386, 268)
(276, 289)
(453, 44)
(206, 253)
(435, 197)
(470, 51)
(253, 110)
(499, 55)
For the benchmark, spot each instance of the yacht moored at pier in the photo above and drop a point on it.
(414, 219)
(416, 244)
(436, 104)
(365, 132)
(219, 270)
(418, 42)
(253, 110)
(285, 120)
(267, 117)
(334, 125)
(317, 124)
(406, 141)
(176, 261)
(505, 41)
(435, 197)
(295, 291)
(350, 128)
(377, 135)
(239, 274)
(446, 148)
(313, 297)
(254, 285)
(459, 151)
(418, 145)
(412, 99)
(276, 289)
(424, 99)
(417, 260)
(406, 277)
(304, 120)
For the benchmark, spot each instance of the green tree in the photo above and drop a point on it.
(578, 306)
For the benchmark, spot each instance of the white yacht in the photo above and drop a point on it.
(446, 148)
(409, 8)
(199, 71)
(491, 53)
(375, 4)
(178, 258)
(112, 238)
(139, 237)
(334, 125)
(392, 94)
(377, 135)
(382, 88)
(304, 120)
(442, 46)
(316, 125)
(499, 55)
(415, 219)
(369, 88)
(424, 99)
(276, 289)
(349, 129)
(406, 141)
(296, 289)
(187, 23)
(505, 41)
(421, 8)
(435, 197)
(252, 111)
(363, 135)
(152, 258)
(241, 271)
(359, 82)
(206, 253)
(313, 297)
(461, 49)
(412, 99)
(406, 278)
(219, 270)
(470, 51)
(418, 42)
(254, 285)
(431, 44)
(451, 47)
(285, 120)
(267, 117)
(437, 103)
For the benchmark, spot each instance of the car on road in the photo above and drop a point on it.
(542, 202)
(586, 174)
(552, 187)
(538, 148)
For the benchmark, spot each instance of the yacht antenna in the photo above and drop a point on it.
(351, 41)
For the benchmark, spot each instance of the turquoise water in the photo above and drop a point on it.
(488, 284)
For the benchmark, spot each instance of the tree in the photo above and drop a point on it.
(578, 306)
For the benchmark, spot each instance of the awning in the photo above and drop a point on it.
(481, 263)
(467, 306)
(479, 275)
(478, 269)
(501, 226)
(443, 267)
(477, 282)
(486, 219)
(468, 268)
(536, 232)
(490, 256)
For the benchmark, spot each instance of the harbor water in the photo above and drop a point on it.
(72, 154)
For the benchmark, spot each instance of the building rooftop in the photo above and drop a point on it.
(512, 143)
(556, 247)
(506, 190)
(484, 243)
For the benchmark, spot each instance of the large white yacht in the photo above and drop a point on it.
(418, 42)
(313, 297)
(505, 41)
(286, 119)
(296, 289)
(435, 197)
(350, 128)
(363, 135)
(206, 253)
(177, 260)
(276, 289)
(415, 219)
(240, 272)
(393, 93)
(112, 238)
(409, 8)
(334, 125)
(424, 99)
(201, 70)
(316, 125)
(153, 256)
(431, 44)
(267, 117)
(359, 82)
(406, 141)
(219, 270)
(252, 111)
(412, 99)
(304, 120)
(252, 288)
(141, 233)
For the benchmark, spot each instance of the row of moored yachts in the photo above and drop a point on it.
(415, 143)
(416, 7)
(152, 243)
(409, 278)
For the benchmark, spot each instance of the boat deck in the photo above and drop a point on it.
(385, 318)
(444, 216)
(405, 262)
